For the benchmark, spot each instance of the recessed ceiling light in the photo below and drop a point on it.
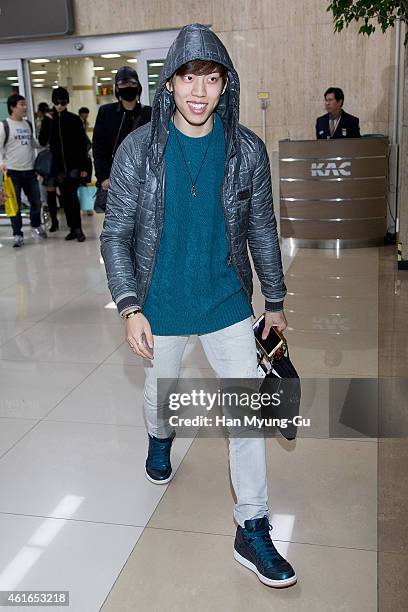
(40, 61)
(157, 64)
(113, 71)
(152, 83)
(38, 72)
(106, 78)
(110, 55)
(15, 78)
(98, 68)
(55, 86)
(38, 85)
(14, 84)
(38, 80)
(133, 60)
(153, 76)
(99, 84)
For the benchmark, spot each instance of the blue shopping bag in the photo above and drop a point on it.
(86, 196)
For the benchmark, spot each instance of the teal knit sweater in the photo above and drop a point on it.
(193, 289)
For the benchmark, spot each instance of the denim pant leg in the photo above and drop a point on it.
(168, 353)
(16, 222)
(232, 354)
(32, 191)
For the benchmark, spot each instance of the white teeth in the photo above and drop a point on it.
(197, 106)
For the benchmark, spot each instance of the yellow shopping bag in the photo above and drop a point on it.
(11, 204)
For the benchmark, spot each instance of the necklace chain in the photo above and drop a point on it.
(194, 183)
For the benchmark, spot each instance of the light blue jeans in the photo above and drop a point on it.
(231, 353)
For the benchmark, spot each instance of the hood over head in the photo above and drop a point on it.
(194, 42)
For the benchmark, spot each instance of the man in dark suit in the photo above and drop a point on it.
(336, 123)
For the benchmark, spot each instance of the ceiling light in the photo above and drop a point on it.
(55, 86)
(152, 83)
(12, 78)
(113, 71)
(99, 84)
(40, 61)
(132, 60)
(157, 64)
(38, 80)
(153, 76)
(14, 84)
(106, 78)
(98, 68)
(39, 72)
(38, 85)
(110, 55)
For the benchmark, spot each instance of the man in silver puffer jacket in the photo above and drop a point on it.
(188, 193)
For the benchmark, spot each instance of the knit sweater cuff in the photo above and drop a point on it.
(127, 302)
(273, 306)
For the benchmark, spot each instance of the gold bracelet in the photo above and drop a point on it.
(132, 313)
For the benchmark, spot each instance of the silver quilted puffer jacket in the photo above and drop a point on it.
(135, 208)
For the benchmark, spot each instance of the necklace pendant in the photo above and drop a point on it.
(194, 191)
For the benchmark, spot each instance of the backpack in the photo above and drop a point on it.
(7, 130)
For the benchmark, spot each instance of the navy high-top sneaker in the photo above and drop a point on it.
(254, 548)
(158, 466)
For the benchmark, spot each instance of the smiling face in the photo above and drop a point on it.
(196, 97)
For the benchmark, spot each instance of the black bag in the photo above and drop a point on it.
(43, 162)
(101, 197)
(283, 379)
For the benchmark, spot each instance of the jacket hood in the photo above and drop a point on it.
(194, 41)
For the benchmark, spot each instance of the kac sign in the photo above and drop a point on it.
(326, 169)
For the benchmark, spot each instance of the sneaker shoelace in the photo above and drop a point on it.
(264, 547)
(159, 454)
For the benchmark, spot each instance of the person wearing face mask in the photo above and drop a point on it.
(115, 121)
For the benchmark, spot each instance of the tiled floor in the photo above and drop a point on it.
(76, 512)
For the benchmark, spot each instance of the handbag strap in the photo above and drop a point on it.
(115, 146)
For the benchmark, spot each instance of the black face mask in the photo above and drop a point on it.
(128, 93)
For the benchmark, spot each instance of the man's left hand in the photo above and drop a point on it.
(274, 319)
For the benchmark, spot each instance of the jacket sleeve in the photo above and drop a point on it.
(263, 236)
(318, 129)
(356, 128)
(81, 144)
(45, 129)
(101, 155)
(118, 228)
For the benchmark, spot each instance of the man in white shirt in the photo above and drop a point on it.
(17, 145)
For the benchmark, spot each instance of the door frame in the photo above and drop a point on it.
(145, 44)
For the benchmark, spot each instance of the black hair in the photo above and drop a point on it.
(12, 102)
(60, 93)
(338, 93)
(43, 107)
(83, 109)
(202, 68)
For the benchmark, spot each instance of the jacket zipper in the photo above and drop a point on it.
(62, 144)
(230, 259)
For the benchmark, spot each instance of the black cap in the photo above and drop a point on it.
(60, 93)
(125, 74)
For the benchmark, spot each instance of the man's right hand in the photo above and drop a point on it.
(105, 184)
(3, 168)
(139, 335)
